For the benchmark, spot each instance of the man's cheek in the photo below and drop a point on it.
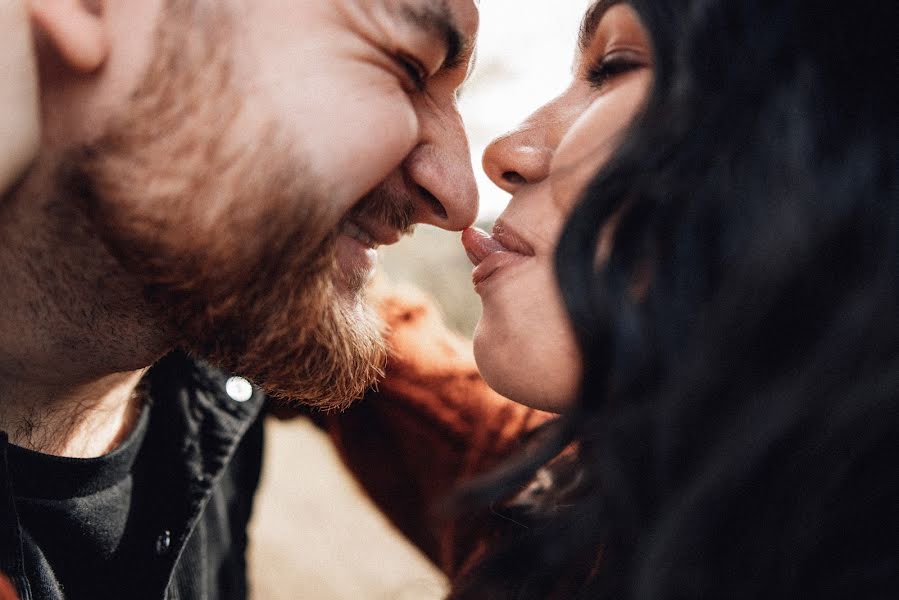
(361, 137)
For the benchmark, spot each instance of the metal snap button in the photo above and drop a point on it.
(239, 389)
(163, 542)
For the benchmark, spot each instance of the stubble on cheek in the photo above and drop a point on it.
(230, 245)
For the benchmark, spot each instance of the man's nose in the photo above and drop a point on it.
(439, 169)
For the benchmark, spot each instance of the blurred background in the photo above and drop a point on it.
(315, 536)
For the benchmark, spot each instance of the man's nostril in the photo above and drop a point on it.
(514, 178)
(436, 206)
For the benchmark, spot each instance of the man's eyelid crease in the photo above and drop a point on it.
(416, 73)
(436, 20)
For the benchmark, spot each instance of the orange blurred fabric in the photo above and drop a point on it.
(7, 591)
(431, 424)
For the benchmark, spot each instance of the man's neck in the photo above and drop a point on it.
(82, 421)
(75, 331)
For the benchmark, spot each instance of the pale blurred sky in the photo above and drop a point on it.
(525, 52)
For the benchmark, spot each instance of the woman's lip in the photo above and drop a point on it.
(508, 237)
(491, 264)
(479, 245)
(488, 254)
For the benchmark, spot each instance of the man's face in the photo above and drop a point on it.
(271, 146)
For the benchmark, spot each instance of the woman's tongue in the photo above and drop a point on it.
(479, 244)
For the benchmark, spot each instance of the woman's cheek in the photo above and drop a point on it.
(593, 138)
(583, 151)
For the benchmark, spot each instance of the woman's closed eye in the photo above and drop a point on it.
(611, 65)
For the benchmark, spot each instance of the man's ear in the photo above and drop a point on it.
(74, 30)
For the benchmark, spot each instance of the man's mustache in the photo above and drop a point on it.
(389, 206)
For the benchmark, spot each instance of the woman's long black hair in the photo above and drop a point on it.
(738, 423)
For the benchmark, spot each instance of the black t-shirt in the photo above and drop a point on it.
(163, 516)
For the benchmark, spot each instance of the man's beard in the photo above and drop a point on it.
(233, 247)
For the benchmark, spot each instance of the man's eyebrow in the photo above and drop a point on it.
(591, 21)
(436, 18)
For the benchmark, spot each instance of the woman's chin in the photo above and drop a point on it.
(527, 371)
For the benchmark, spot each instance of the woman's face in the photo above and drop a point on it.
(524, 345)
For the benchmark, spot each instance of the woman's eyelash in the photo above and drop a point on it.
(608, 67)
(413, 69)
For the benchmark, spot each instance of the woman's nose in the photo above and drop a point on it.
(518, 158)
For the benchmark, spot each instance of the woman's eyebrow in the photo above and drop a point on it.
(435, 18)
(591, 21)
